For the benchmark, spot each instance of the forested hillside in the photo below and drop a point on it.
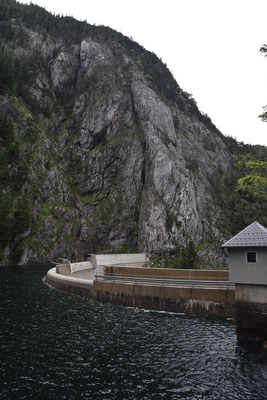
(102, 151)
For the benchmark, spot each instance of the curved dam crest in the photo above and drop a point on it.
(200, 301)
(196, 292)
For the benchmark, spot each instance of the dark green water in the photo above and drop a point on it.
(59, 346)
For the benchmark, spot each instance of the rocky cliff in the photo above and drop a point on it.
(101, 149)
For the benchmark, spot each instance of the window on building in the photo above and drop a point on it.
(251, 256)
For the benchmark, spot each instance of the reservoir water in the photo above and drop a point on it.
(56, 345)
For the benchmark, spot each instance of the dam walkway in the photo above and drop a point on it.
(166, 281)
(191, 292)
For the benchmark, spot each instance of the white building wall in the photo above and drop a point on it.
(240, 271)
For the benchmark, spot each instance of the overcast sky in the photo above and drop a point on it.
(210, 46)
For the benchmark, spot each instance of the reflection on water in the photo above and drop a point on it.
(59, 346)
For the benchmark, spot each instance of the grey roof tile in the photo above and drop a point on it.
(254, 235)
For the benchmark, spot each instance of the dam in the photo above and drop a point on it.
(125, 279)
(122, 279)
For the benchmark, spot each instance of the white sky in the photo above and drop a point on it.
(210, 46)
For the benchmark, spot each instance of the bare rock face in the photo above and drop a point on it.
(112, 164)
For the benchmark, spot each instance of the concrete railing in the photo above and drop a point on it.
(167, 273)
(168, 282)
(98, 264)
(83, 270)
(79, 282)
(102, 261)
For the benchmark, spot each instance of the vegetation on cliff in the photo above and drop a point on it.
(101, 150)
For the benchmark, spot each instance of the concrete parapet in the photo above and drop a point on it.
(101, 261)
(168, 273)
(81, 266)
(70, 284)
(84, 270)
(85, 274)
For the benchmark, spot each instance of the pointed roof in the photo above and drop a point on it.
(254, 235)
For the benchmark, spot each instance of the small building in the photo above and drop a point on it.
(247, 255)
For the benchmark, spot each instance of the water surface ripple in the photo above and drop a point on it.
(60, 346)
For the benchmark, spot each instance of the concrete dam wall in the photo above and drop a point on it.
(218, 302)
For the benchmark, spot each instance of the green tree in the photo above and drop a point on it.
(190, 257)
(263, 116)
(254, 184)
(7, 75)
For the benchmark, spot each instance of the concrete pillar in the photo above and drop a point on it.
(64, 268)
(251, 313)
